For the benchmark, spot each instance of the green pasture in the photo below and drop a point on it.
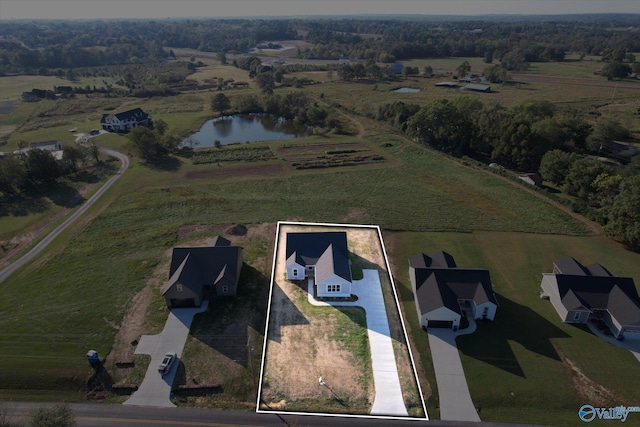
(53, 311)
(90, 276)
(513, 365)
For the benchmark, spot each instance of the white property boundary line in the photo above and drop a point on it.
(395, 295)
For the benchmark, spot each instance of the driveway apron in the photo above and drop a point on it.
(455, 400)
(388, 399)
(155, 390)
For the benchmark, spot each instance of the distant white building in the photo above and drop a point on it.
(55, 147)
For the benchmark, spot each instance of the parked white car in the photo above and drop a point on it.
(167, 362)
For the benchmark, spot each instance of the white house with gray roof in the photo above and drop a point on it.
(322, 257)
(580, 294)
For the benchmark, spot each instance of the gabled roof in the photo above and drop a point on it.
(196, 267)
(219, 241)
(127, 115)
(618, 295)
(440, 283)
(571, 266)
(327, 251)
(439, 259)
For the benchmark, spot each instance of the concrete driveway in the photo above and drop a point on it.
(155, 390)
(388, 400)
(633, 345)
(453, 391)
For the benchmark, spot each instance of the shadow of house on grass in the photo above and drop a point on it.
(513, 322)
(287, 314)
(226, 324)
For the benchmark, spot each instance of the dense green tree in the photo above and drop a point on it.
(555, 165)
(266, 82)
(446, 125)
(220, 103)
(12, 175)
(616, 70)
(604, 132)
(624, 214)
(580, 180)
(153, 144)
(72, 155)
(463, 69)
(222, 57)
(496, 74)
(41, 166)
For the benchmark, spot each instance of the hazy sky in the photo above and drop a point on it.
(87, 9)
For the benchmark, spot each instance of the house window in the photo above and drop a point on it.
(179, 287)
(295, 272)
(225, 289)
(333, 288)
(576, 316)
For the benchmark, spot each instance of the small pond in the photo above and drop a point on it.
(251, 128)
(407, 90)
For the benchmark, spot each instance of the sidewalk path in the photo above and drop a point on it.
(455, 400)
(155, 390)
(388, 400)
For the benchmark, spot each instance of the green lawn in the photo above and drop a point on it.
(514, 365)
(65, 303)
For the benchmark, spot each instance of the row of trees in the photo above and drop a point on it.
(607, 193)
(38, 168)
(535, 137)
(292, 105)
(31, 46)
(518, 136)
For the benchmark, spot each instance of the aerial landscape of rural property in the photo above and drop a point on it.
(288, 216)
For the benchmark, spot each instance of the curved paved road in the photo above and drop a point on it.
(39, 247)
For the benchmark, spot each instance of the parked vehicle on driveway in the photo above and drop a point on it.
(167, 362)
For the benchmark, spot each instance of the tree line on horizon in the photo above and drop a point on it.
(32, 47)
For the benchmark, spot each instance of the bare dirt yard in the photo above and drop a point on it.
(305, 342)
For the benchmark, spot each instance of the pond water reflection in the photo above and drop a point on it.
(252, 128)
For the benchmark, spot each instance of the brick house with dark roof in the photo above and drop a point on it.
(197, 273)
(444, 292)
(322, 257)
(122, 122)
(580, 294)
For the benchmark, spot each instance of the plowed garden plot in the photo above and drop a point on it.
(226, 171)
(319, 148)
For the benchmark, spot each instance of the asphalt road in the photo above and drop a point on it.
(40, 246)
(103, 415)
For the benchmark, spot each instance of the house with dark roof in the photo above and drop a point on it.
(444, 292)
(122, 122)
(323, 258)
(197, 273)
(580, 294)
